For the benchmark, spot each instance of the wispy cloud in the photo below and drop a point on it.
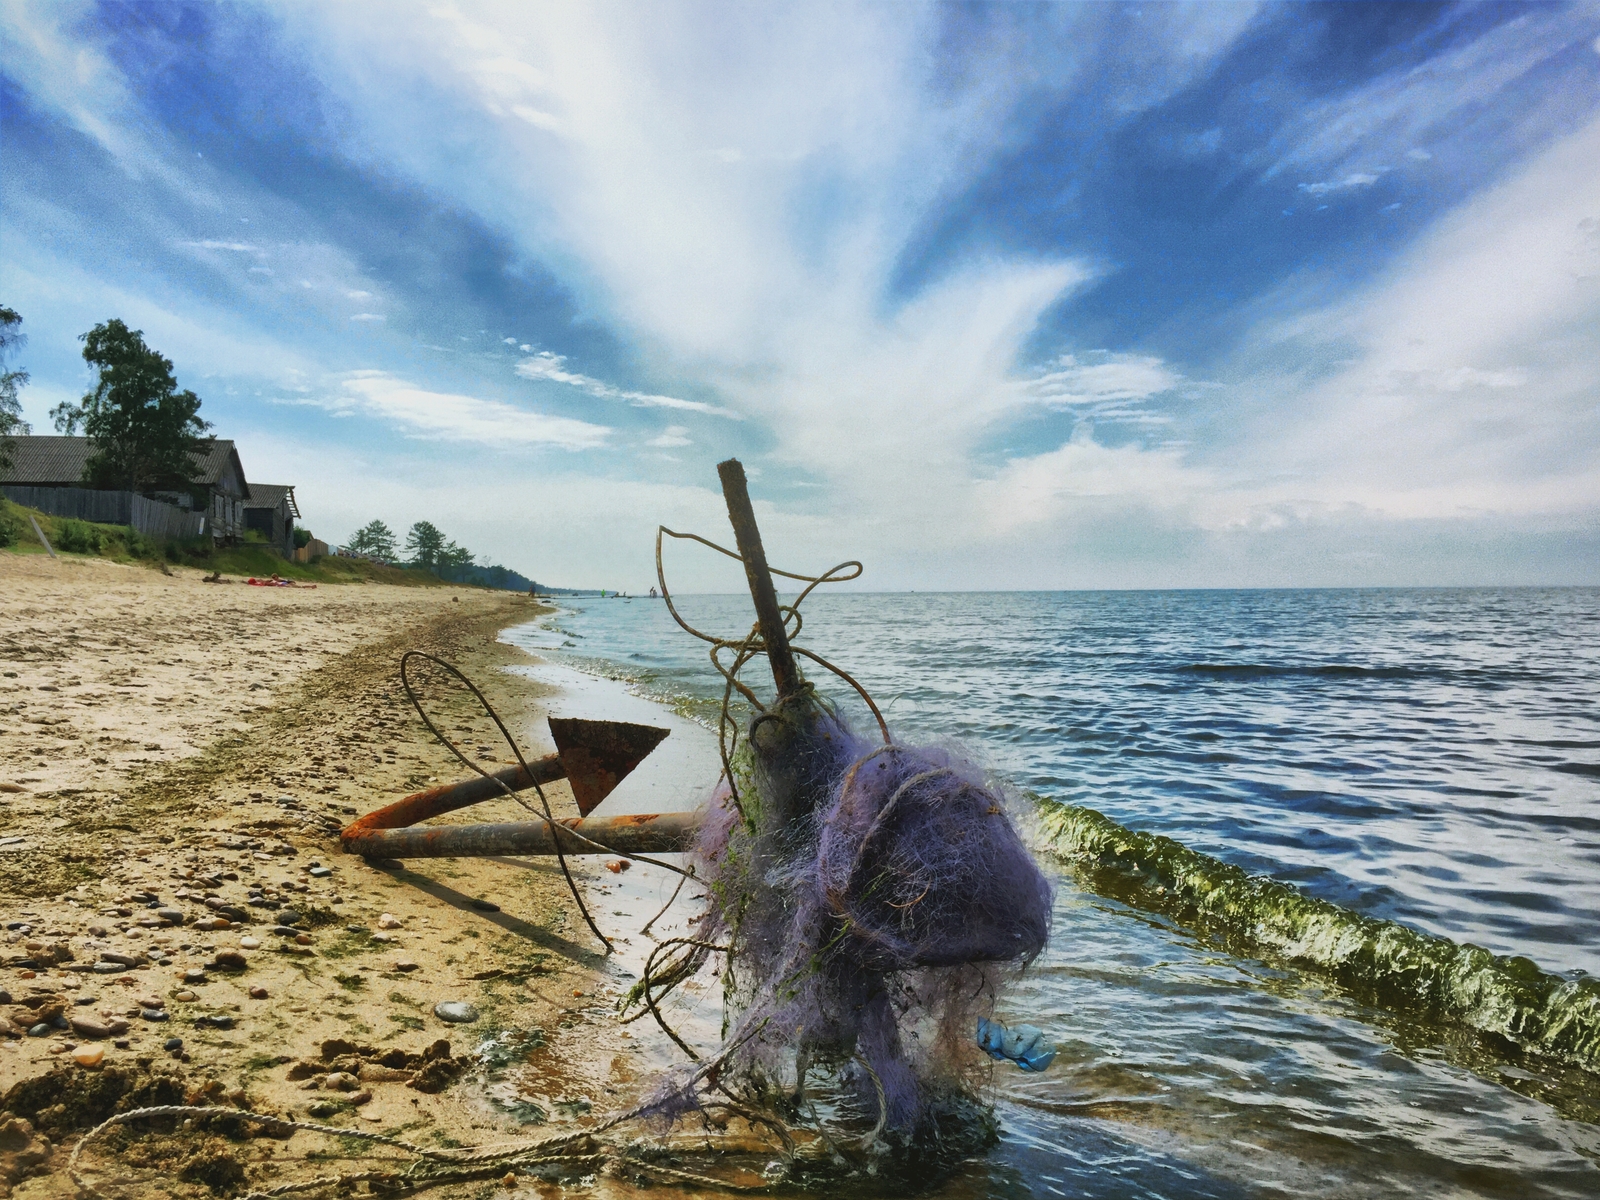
(423, 413)
(1350, 183)
(671, 437)
(552, 368)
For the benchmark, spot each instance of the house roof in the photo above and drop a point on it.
(48, 460)
(270, 495)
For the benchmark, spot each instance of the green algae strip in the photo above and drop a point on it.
(1380, 962)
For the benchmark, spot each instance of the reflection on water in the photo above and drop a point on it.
(1422, 756)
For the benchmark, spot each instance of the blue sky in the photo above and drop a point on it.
(1006, 295)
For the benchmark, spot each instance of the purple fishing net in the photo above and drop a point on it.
(872, 900)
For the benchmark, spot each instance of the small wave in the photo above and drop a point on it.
(1380, 961)
(1467, 675)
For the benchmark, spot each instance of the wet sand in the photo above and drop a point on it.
(171, 751)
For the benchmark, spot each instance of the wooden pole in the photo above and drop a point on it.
(785, 672)
(44, 541)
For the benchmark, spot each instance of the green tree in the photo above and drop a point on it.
(375, 539)
(454, 561)
(424, 544)
(144, 429)
(11, 422)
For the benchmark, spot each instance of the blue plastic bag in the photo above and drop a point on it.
(1022, 1045)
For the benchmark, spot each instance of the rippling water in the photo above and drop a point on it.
(1426, 756)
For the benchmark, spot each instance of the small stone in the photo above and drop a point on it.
(456, 1012)
(122, 1043)
(109, 968)
(389, 921)
(287, 931)
(175, 915)
(250, 943)
(508, 1180)
(258, 992)
(186, 996)
(405, 964)
(367, 1114)
(97, 1030)
(89, 1056)
(361, 1097)
(484, 905)
(230, 960)
(322, 1109)
(304, 939)
(39, 1030)
(219, 1021)
(320, 872)
(173, 1043)
(340, 1081)
(194, 975)
(617, 865)
(384, 937)
(153, 1014)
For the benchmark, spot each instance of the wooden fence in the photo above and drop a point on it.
(152, 518)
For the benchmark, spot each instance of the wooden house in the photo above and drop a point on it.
(43, 463)
(270, 510)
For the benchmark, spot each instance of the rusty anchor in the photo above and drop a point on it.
(593, 756)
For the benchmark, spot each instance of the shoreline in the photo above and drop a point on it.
(254, 806)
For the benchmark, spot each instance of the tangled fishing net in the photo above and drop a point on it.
(866, 902)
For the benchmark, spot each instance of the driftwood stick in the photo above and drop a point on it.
(785, 672)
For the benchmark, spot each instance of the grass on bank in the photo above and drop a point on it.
(120, 543)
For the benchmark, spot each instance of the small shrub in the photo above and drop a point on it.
(80, 537)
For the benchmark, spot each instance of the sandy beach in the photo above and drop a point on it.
(176, 759)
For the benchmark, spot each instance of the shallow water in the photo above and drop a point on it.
(1423, 756)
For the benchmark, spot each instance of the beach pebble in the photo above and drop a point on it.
(258, 992)
(220, 1021)
(618, 865)
(384, 937)
(485, 905)
(194, 975)
(175, 915)
(153, 1014)
(89, 1056)
(457, 1012)
(405, 964)
(320, 872)
(250, 943)
(186, 996)
(389, 921)
(109, 968)
(361, 1097)
(341, 1081)
(304, 939)
(39, 1030)
(231, 960)
(172, 1044)
(98, 1030)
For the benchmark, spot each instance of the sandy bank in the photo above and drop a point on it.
(177, 758)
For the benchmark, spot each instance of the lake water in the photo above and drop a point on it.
(1425, 756)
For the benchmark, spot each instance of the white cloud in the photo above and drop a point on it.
(1357, 179)
(1102, 381)
(1468, 371)
(671, 437)
(458, 418)
(215, 245)
(367, 317)
(551, 368)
